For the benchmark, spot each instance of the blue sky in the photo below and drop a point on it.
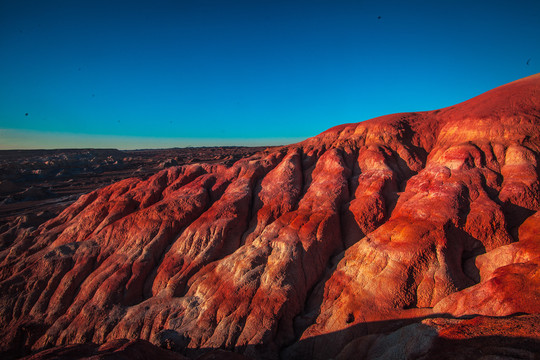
(134, 74)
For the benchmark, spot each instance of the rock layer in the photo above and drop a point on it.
(301, 250)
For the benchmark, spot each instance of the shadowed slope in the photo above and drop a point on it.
(396, 217)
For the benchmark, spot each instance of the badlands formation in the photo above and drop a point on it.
(413, 235)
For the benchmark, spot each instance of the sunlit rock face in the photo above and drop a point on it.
(305, 251)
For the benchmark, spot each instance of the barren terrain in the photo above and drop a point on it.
(412, 235)
(35, 181)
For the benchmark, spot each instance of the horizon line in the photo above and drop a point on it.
(20, 139)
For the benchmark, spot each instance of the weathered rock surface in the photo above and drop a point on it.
(337, 245)
(113, 350)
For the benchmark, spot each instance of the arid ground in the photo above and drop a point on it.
(408, 236)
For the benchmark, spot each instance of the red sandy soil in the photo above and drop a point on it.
(412, 235)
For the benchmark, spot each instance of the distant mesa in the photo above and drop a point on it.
(412, 235)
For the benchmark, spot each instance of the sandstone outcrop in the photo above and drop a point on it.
(368, 235)
(113, 350)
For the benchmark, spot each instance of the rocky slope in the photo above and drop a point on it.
(32, 181)
(391, 238)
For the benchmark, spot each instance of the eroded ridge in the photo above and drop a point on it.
(407, 216)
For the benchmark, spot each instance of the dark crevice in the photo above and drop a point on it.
(302, 180)
(515, 216)
(147, 288)
(314, 298)
(464, 206)
(309, 164)
(255, 201)
(149, 281)
(395, 186)
(470, 247)
(345, 216)
(491, 192)
(252, 212)
(406, 138)
(353, 177)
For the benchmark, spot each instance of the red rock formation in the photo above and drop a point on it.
(299, 250)
(114, 350)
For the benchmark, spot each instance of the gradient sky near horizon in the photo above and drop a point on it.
(163, 73)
